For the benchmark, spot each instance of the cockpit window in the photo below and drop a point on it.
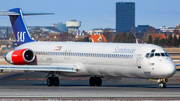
(157, 54)
(153, 50)
(163, 54)
(167, 54)
(152, 54)
(147, 55)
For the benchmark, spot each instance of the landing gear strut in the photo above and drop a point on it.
(52, 81)
(95, 81)
(162, 83)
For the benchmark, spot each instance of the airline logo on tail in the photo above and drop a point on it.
(20, 36)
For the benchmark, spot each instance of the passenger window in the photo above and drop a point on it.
(152, 54)
(109, 55)
(157, 54)
(147, 55)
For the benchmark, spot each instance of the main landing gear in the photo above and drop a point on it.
(52, 81)
(95, 81)
(162, 83)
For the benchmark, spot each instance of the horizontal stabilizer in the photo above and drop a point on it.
(8, 13)
(25, 14)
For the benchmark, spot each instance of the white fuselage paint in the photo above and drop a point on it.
(104, 59)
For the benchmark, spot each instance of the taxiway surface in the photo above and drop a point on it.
(19, 84)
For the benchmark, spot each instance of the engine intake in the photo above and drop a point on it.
(20, 57)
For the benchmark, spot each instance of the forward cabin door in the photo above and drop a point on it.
(139, 61)
(67, 55)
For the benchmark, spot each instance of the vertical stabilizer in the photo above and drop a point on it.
(19, 27)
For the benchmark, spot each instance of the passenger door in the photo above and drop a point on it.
(67, 54)
(139, 61)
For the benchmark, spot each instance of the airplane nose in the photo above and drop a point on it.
(169, 69)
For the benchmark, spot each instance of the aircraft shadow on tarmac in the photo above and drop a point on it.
(13, 79)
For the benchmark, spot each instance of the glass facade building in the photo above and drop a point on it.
(125, 16)
(61, 26)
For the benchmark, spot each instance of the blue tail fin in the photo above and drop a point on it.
(19, 27)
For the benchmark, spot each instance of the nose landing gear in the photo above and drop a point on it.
(162, 83)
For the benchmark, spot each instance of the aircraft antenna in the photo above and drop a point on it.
(136, 41)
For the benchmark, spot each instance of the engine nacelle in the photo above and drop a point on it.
(20, 57)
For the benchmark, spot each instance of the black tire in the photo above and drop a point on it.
(98, 81)
(56, 81)
(162, 85)
(49, 81)
(92, 81)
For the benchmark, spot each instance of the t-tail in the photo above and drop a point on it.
(19, 27)
(18, 24)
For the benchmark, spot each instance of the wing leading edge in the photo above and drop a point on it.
(60, 68)
(176, 66)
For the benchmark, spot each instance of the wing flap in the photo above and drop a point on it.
(60, 68)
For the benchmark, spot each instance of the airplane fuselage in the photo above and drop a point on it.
(104, 59)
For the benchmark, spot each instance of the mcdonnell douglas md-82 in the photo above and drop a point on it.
(96, 60)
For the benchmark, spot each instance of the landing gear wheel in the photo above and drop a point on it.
(92, 81)
(95, 81)
(162, 85)
(56, 81)
(49, 81)
(98, 81)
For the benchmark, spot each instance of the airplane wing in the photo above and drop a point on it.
(60, 68)
(176, 66)
(177, 60)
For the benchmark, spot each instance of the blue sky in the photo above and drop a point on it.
(94, 13)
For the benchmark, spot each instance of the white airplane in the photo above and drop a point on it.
(86, 59)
